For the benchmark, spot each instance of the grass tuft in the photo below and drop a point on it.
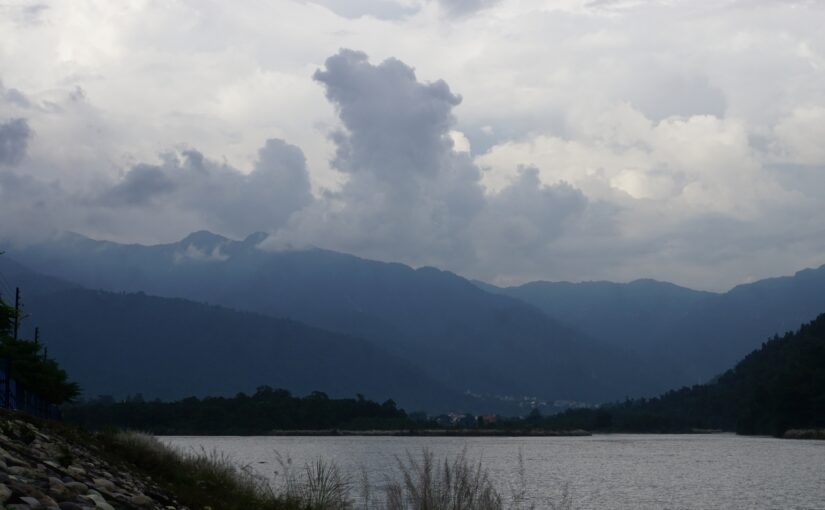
(428, 483)
(209, 479)
(320, 485)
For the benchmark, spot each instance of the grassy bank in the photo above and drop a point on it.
(421, 482)
(205, 480)
(161, 477)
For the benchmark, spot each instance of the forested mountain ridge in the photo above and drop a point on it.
(467, 339)
(120, 344)
(779, 386)
(702, 332)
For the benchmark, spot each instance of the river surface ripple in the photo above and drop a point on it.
(600, 472)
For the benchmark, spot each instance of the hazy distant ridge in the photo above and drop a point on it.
(457, 334)
(703, 332)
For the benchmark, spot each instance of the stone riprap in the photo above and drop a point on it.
(41, 468)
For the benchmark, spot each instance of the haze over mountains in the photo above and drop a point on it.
(777, 389)
(704, 333)
(424, 337)
(123, 344)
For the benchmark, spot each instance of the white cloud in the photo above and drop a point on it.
(801, 136)
(691, 131)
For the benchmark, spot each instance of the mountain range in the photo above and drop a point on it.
(130, 343)
(703, 333)
(320, 320)
(778, 387)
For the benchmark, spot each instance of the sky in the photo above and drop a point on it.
(504, 140)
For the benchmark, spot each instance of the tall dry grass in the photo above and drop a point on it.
(429, 484)
(197, 479)
(317, 485)
(426, 482)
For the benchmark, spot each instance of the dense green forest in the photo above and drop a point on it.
(29, 363)
(265, 411)
(778, 387)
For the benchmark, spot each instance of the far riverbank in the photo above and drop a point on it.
(434, 433)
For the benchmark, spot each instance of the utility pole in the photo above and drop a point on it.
(7, 384)
(16, 311)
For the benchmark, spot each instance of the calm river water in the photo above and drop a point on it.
(600, 472)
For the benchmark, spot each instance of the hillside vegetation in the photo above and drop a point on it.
(457, 335)
(263, 412)
(122, 344)
(778, 387)
(699, 333)
(30, 365)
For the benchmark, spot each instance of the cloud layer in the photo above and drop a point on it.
(14, 138)
(572, 140)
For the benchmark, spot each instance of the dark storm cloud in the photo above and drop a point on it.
(13, 97)
(140, 186)
(224, 198)
(14, 139)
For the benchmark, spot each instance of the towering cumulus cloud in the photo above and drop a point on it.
(409, 195)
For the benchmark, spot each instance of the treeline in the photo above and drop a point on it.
(778, 387)
(29, 364)
(265, 411)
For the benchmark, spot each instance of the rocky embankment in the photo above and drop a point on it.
(43, 466)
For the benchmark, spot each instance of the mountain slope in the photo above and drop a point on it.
(777, 387)
(650, 305)
(120, 344)
(464, 337)
(702, 332)
(781, 385)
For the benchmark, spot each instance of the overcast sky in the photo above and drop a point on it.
(507, 140)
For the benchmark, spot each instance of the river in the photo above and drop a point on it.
(717, 471)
